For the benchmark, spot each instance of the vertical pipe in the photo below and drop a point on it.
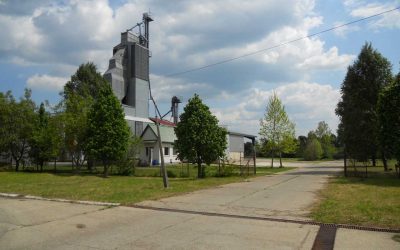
(254, 154)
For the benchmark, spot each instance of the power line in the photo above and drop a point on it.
(281, 44)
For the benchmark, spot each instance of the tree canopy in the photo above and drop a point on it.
(199, 138)
(79, 95)
(108, 133)
(389, 118)
(357, 109)
(277, 129)
(46, 138)
(17, 125)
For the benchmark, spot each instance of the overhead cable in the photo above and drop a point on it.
(280, 44)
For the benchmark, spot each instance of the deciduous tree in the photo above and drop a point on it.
(17, 126)
(108, 133)
(277, 129)
(389, 118)
(199, 138)
(79, 95)
(46, 138)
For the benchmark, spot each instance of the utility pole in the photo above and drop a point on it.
(163, 168)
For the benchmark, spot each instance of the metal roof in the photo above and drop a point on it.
(241, 134)
(163, 122)
(167, 133)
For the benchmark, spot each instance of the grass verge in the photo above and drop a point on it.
(373, 201)
(122, 189)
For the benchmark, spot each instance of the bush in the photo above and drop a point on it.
(224, 171)
(313, 150)
(126, 167)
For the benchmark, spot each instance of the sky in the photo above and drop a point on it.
(43, 42)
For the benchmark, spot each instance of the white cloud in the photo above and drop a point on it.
(344, 30)
(46, 82)
(363, 9)
(164, 88)
(306, 104)
(327, 60)
(185, 34)
(307, 54)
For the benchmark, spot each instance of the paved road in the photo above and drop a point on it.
(33, 224)
(288, 195)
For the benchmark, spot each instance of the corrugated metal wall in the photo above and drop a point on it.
(236, 143)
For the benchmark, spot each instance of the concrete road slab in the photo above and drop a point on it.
(355, 239)
(132, 228)
(287, 195)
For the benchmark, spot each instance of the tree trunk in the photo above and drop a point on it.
(374, 160)
(90, 165)
(41, 166)
(105, 174)
(272, 159)
(345, 164)
(199, 172)
(385, 166)
(280, 159)
(16, 165)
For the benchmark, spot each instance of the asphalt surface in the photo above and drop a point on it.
(34, 224)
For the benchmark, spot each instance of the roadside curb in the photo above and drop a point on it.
(32, 197)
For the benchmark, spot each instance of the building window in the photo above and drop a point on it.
(166, 151)
(147, 151)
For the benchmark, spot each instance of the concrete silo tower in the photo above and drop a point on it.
(128, 74)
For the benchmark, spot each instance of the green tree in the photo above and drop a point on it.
(313, 150)
(4, 112)
(79, 95)
(389, 118)
(277, 129)
(86, 82)
(302, 143)
(324, 135)
(108, 133)
(46, 138)
(76, 123)
(357, 109)
(17, 126)
(199, 138)
(128, 163)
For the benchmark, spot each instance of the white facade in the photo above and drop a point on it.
(150, 153)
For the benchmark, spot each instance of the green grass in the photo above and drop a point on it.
(372, 201)
(211, 171)
(125, 190)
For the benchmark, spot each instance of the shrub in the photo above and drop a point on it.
(126, 167)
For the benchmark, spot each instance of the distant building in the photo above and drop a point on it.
(235, 145)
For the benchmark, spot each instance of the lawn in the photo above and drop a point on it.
(121, 189)
(372, 201)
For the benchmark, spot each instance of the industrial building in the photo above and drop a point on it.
(128, 74)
